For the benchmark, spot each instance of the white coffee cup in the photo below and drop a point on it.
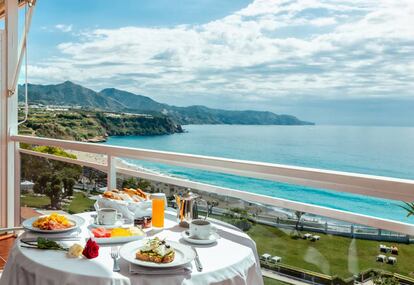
(201, 229)
(108, 216)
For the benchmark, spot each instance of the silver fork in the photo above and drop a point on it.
(115, 257)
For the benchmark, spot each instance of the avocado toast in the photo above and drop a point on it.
(157, 251)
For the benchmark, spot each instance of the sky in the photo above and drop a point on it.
(330, 62)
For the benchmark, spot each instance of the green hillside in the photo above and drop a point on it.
(94, 126)
(115, 100)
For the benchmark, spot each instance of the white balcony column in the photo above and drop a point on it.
(3, 133)
(111, 173)
(9, 189)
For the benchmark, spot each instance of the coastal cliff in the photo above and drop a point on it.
(94, 126)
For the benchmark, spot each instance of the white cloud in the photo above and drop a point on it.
(323, 21)
(268, 50)
(63, 28)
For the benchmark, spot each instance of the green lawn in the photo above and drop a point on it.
(270, 281)
(34, 202)
(332, 255)
(81, 203)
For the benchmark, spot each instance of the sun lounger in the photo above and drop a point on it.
(307, 236)
(275, 259)
(392, 260)
(384, 248)
(315, 238)
(381, 258)
(265, 257)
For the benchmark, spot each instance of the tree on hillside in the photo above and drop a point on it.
(144, 185)
(242, 213)
(68, 184)
(50, 176)
(95, 177)
(54, 191)
(41, 183)
(133, 182)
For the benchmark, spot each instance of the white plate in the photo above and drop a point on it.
(117, 239)
(211, 239)
(77, 222)
(183, 254)
(109, 240)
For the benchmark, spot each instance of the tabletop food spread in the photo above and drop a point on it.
(106, 247)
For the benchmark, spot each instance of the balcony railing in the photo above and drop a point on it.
(369, 185)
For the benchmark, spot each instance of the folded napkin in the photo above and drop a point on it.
(136, 269)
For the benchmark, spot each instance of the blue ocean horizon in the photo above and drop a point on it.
(383, 151)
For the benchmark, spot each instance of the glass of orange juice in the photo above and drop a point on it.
(158, 205)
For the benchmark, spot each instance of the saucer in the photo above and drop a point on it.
(117, 224)
(211, 239)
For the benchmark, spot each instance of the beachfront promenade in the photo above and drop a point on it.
(346, 230)
(332, 228)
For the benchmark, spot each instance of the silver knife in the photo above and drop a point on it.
(197, 261)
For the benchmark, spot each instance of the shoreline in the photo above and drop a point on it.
(97, 139)
(223, 200)
(102, 160)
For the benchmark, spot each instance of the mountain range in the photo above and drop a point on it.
(115, 100)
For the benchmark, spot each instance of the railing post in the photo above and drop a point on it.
(111, 173)
(17, 181)
(8, 114)
(3, 134)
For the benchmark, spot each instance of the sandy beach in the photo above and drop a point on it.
(103, 160)
(90, 157)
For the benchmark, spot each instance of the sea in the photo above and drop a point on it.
(384, 151)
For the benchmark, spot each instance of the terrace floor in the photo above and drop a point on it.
(6, 243)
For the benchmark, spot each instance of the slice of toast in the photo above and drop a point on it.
(169, 257)
(145, 256)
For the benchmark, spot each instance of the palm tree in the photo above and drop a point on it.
(409, 207)
(211, 205)
(298, 215)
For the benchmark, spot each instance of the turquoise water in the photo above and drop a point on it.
(385, 151)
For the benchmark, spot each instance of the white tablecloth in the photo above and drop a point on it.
(232, 260)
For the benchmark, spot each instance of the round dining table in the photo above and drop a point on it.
(232, 259)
